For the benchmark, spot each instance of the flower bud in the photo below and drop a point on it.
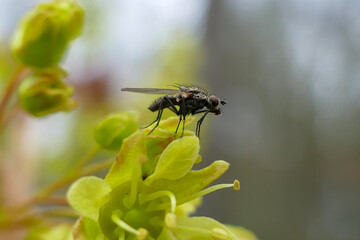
(44, 33)
(44, 93)
(111, 132)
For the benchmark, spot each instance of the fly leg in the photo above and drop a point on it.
(151, 122)
(182, 111)
(198, 124)
(177, 128)
(157, 119)
(183, 127)
(172, 108)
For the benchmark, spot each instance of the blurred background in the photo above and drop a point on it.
(289, 70)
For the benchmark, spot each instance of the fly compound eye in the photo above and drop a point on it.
(214, 101)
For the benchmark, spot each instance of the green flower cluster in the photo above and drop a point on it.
(39, 43)
(150, 191)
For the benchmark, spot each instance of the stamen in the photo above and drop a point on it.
(140, 234)
(236, 185)
(158, 194)
(197, 195)
(129, 200)
(170, 220)
(121, 235)
(123, 224)
(201, 231)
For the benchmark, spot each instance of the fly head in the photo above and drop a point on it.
(214, 103)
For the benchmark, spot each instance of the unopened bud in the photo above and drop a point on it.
(44, 93)
(111, 132)
(44, 33)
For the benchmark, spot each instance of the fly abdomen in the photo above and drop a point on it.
(160, 103)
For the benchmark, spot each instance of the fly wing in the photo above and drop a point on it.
(152, 90)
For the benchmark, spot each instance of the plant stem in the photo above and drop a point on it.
(61, 212)
(54, 201)
(87, 158)
(14, 81)
(10, 115)
(70, 177)
(97, 167)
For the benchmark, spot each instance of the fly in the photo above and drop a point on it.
(189, 100)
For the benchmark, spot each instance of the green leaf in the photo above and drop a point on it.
(199, 228)
(87, 229)
(132, 151)
(85, 195)
(192, 182)
(111, 132)
(176, 160)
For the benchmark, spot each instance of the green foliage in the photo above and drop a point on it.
(111, 132)
(43, 93)
(44, 33)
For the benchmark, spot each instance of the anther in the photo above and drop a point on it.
(142, 234)
(236, 185)
(170, 220)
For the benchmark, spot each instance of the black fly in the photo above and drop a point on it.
(191, 100)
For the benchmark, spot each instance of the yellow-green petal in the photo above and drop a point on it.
(169, 125)
(242, 233)
(132, 151)
(198, 228)
(184, 210)
(193, 182)
(176, 160)
(85, 195)
(87, 229)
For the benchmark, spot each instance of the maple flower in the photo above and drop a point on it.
(150, 191)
